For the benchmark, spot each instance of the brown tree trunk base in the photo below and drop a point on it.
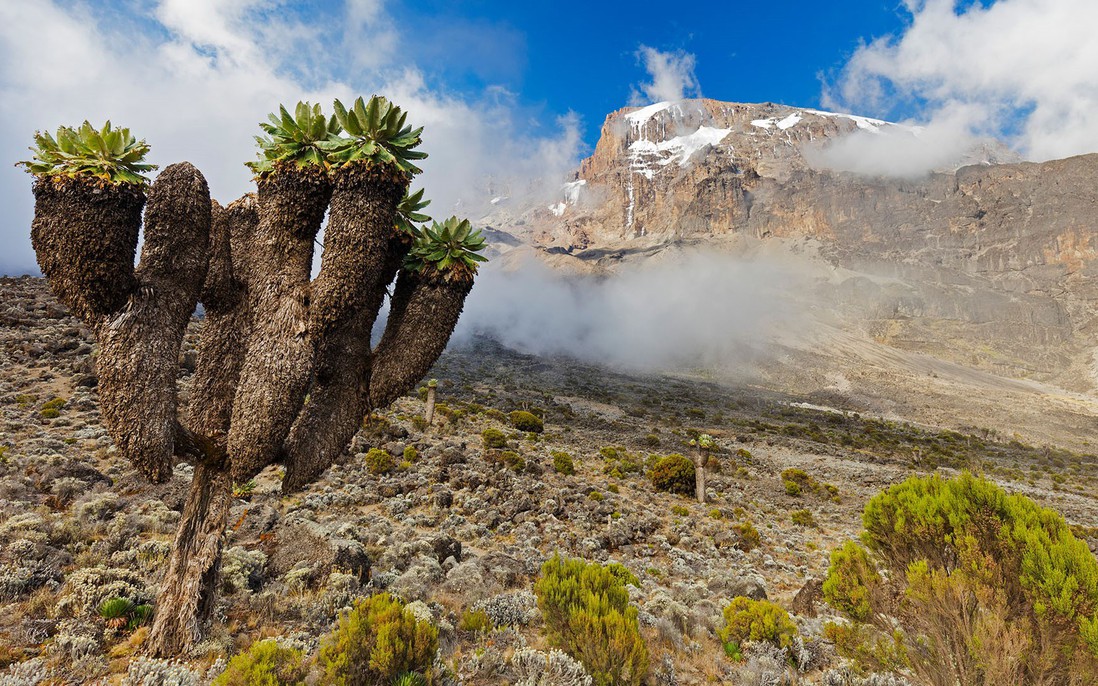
(189, 589)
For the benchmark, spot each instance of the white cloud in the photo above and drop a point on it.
(700, 309)
(672, 75)
(1023, 70)
(902, 151)
(194, 77)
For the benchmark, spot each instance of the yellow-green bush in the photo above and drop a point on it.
(747, 536)
(526, 421)
(756, 620)
(493, 439)
(379, 461)
(587, 613)
(475, 620)
(674, 474)
(986, 587)
(264, 664)
(376, 641)
(562, 463)
(851, 580)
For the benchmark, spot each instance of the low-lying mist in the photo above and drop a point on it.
(696, 309)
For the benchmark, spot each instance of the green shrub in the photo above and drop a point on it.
(493, 439)
(376, 641)
(596, 496)
(50, 413)
(674, 474)
(970, 570)
(526, 421)
(756, 620)
(803, 518)
(747, 536)
(410, 454)
(851, 580)
(622, 573)
(265, 663)
(245, 490)
(562, 463)
(477, 621)
(512, 460)
(379, 461)
(587, 613)
(124, 614)
(680, 511)
(796, 481)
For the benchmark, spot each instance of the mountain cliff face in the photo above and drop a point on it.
(991, 264)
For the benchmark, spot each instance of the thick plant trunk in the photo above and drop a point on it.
(277, 365)
(422, 315)
(338, 397)
(189, 589)
(362, 254)
(190, 585)
(699, 474)
(139, 346)
(358, 247)
(429, 413)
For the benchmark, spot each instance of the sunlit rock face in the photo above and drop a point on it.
(983, 260)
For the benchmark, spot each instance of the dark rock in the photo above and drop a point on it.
(446, 546)
(804, 603)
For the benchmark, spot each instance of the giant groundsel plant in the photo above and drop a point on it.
(272, 335)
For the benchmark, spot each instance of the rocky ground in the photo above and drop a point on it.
(456, 526)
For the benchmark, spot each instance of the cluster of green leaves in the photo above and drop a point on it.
(409, 214)
(376, 642)
(265, 663)
(376, 134)
(112, 155)
(587, 613)
(963, 567)
(123, 613)
(704, 442)
(797, 481)
(303, 140)
(450, 248)
(674, 473)
(756, 620)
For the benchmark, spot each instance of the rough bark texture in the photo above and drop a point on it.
(339, 394)
(139, 347)
(188, 593)
(361, 258)
(278, 363)
(357, 245)
(224, 336)
(85, 236)
(422, 315)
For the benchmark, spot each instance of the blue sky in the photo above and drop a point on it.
(582, 55)
(513, 94)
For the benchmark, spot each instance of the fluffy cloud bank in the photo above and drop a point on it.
(194, 76)
(1019, 70)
